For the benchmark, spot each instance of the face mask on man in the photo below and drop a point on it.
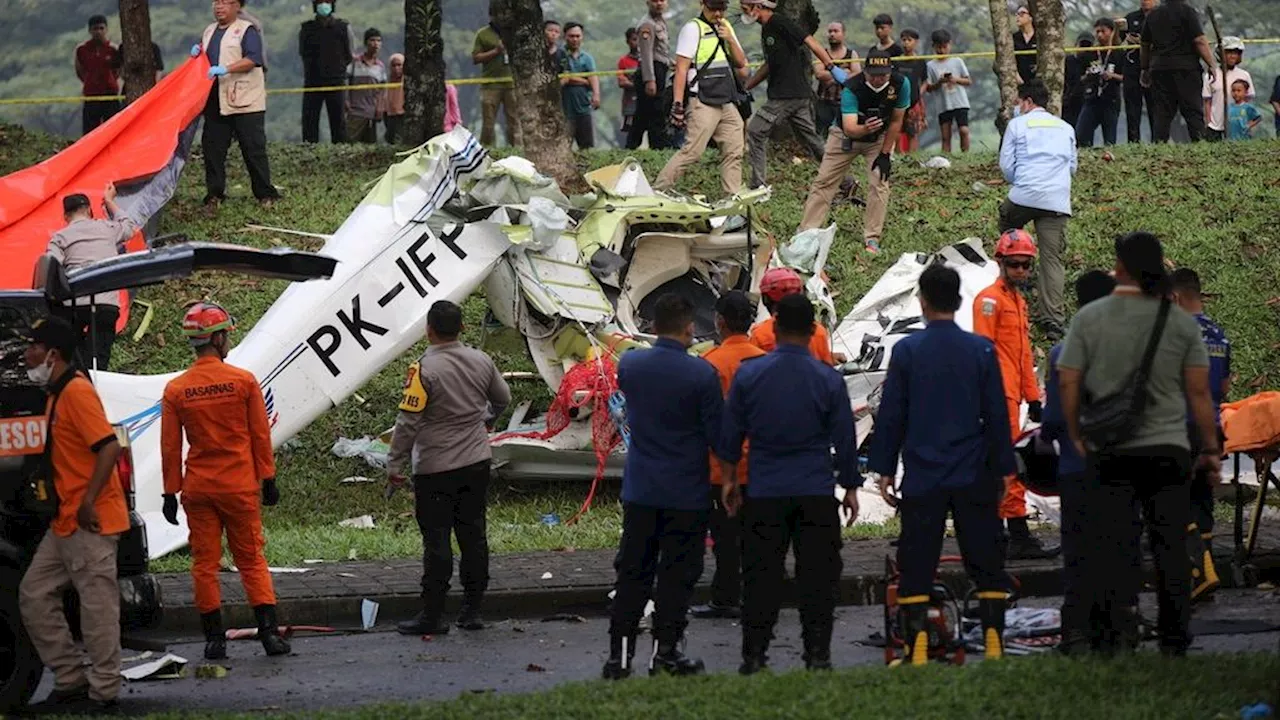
(41, 374)
(881, 86)
(748, 18)
(324, 9)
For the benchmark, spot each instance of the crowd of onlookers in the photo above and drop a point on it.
(1099, 83)
(333, 60)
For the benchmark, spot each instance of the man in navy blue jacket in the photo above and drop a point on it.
(794, 410)
(674, 405)
(943, 412)
(1073, 486)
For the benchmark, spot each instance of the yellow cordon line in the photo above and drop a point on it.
(508, 81)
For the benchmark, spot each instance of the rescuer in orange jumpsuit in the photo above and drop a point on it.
(734, 311)
(229, 464)
(776, 284)
(1000, 314)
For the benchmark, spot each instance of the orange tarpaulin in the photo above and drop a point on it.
(130, 150)
(1252, 423)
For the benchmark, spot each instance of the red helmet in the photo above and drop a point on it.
(1015, 242)
(204, 319)
(780, 282)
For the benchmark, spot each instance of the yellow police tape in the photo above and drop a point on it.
(507, 81)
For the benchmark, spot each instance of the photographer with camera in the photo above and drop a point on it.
(873, 105)
(1103, 79)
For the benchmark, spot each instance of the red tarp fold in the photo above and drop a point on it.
(129, 149)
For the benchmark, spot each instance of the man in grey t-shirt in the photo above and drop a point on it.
(1150, 469)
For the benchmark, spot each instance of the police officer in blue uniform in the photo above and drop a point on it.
(794, 410)
(1075, 483)
(943, 412)
(674, 404)
(1190, 297)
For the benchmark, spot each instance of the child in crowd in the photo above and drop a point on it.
(916, 71)
(1242, 116)
(950, 76)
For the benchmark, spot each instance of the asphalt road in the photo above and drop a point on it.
(528, 655)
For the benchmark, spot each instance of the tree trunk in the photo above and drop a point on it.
(424, 93)
(545, 132)
(138, 71)
(1005, 66)
(1051, 22)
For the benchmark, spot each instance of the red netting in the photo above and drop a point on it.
(589, 383)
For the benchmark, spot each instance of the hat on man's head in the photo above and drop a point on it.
(877, 62)
(74, 203)
(716, 4)
(769, 4)
(1231, 42)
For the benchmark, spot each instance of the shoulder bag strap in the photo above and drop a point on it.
(1148, 358)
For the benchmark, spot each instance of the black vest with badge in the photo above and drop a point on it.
(872, 103)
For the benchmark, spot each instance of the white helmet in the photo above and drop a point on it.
(1231, 42)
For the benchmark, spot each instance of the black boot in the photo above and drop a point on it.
(991, 607)
(469, 616)
(426, 622)
(622, 653)
(817, 646)
(668, 659)
(913, 623)
(755, 646)
(215, 639)
(1025, 546)
(269, 631)
(1204, 576)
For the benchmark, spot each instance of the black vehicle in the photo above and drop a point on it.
(22, 407)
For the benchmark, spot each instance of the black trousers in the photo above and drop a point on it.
(975, 510)
(726, 584)
(393, 123)
(445, 503)
(333, 102)
(651, 114)
(97, 334)
(1094, 114)
(1148, 483)
(583, 129)
(770, 525)
(1173, 92)
(249, 130)
(1202, 500)
(1135, 96)
(93, 114)
(1075, 493)
(664, 544)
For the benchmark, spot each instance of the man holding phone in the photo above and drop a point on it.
(943, 412)
(873, 105)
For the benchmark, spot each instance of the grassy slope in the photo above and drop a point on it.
(1145, 686)
(1213, 204)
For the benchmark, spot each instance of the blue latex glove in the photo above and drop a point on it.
(839, 74)
(195, 50)
(217, 71)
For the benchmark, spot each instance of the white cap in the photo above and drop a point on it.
(1231, 42)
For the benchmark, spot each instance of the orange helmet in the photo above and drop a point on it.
(204, 319)
(1015, 242)
(780, 282)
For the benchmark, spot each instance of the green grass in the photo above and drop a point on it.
(1047, 688)
(1213, 204)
